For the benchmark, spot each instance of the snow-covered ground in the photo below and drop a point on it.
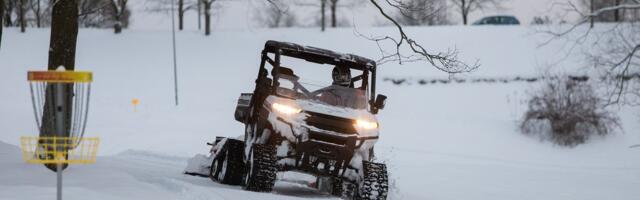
(127, 175)
(457, 141)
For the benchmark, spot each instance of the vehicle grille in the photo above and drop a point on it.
(330, 123)
(328, 138)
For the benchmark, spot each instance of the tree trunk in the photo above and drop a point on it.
(7, 15)
(64, 33)
(1, 20)
(323, 4)
(464, 19)
(207, 18)
(22, 20)
(180, 14)
(118, 10)
(117, 26)
(592, 9)
(334, 4)
(464, 11)
(199, 15)
(616, 12)
(62, 52)
(37, 14)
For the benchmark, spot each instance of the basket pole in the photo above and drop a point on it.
(175, 64)
(60, 119)
(59, 180)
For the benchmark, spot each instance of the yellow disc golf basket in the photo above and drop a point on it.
(58, 150)
(60, 104)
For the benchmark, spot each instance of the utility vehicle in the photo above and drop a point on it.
(288, 127)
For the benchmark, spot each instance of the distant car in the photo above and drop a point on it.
(498, 20)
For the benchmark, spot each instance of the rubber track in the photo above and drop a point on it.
(265, 169)
(235, 167)
(376, 182)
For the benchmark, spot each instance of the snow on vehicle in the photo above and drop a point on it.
(289, 127)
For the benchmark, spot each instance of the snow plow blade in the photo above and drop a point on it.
(199, 165)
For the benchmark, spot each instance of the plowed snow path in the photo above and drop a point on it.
(129, 175)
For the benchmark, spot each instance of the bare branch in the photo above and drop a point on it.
(619, 53)
(444, 61)
(94, 10)
(283, 8)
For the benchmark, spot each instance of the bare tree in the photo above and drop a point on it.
(21, 15)
(207, 16)
(464, 7)
(180, 14)
(41, 12)
(36, 10)
(276, 16)
(8, 10)
(333, 4)
(615, 50)
(199, 8)
(94, 13)
(615, 15)
(423, 12)
(592, 5)
(119, 9)
(88, 12)
(183, 7)
(323, 5)
(1, 20)
(104, 14)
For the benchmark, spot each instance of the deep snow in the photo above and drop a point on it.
(456, 141)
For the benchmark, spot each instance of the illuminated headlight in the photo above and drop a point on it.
(366, 124)
(285, 109)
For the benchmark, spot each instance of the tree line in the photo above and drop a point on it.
(91, 13)
(116, 13)
(406, 12)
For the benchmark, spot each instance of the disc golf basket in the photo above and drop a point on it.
(60, 104)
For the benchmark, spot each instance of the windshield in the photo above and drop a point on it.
(332, 95)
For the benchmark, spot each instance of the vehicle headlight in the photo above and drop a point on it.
(366, 124)
(285, 109)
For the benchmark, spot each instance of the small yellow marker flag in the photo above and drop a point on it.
(135, 103)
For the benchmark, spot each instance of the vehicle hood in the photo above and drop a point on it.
(317, 107)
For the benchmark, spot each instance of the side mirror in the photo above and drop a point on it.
(381, 100)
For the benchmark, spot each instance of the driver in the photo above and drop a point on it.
(332, 94)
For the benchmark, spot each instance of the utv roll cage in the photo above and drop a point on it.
(319, 56)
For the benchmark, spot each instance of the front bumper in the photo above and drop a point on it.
(325, 153)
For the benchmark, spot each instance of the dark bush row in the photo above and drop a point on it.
(402, 81)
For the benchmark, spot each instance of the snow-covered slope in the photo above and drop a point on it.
(127, 175)
(456, 141)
